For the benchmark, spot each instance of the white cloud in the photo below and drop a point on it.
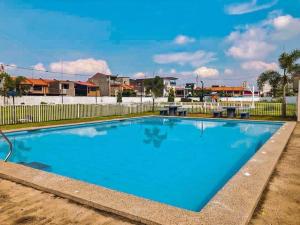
(183, 39)
(206, 72)
(249, 44)
(285, 27)
(257, 42)
(228, 71)
(82, 66)
(248, 7)
(259, 66)
(139, 75)
(40, 67)
(195, 59)
(173, 71)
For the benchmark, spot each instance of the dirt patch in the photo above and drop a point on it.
(25, 205)
(3, 197)
(280, 202)
(25, 220)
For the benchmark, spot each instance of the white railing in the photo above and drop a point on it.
(43, 113)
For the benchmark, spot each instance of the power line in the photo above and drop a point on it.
(46, 71)
(86, 75)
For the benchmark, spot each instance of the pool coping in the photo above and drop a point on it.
(234, 203)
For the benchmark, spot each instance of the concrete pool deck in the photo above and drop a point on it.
(233, 204)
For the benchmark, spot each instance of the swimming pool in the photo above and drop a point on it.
(180, 162)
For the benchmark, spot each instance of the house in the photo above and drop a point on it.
(180, 92)
(86, 89)
(169, 82)
(120, 85)
(36, 86)
(138, 85)
(104, 82)
(61, 87)
(229, 91)
(266, 90)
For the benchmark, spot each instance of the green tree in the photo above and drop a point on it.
(273, 78)
(128, 93)
(12, 84)
(19, 88)
(119, 97)
(155, 87)
(288, 63)
(171, 96)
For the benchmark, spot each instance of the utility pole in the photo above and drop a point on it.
(142, 90)
(62, 90)
(252, 90)
(202, 91)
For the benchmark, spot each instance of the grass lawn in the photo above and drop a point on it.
(62, 122)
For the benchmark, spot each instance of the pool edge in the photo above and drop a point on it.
(231, 205)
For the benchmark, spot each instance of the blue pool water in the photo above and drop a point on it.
(180, 162)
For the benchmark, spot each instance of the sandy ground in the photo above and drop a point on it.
(24, 205)
(280, 203)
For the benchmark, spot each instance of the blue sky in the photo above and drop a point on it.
(221, 42)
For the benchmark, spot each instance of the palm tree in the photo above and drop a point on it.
(288, 63)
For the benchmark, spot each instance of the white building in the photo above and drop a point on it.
(266, 90)
(169, 82)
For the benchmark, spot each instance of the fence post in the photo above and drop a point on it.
(78, 111)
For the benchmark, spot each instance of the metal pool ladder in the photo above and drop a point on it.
(9, 144)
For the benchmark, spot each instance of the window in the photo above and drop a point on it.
(38, 88)
(173, 83)
(65, 86)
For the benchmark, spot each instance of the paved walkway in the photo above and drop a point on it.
(279, 205)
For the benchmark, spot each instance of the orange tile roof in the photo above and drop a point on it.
(222, 88)
(227, 88)
(49, 80)
(39, 82)
(124, 86)
(127, 87)
(89, 84)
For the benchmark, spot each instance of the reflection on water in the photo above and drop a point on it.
(86, 132)
(153, 136)
(203, 125)
(242, 144)
(230, 124)
(253, 130)
(19, 151)
(171, 122)
(91, 131)
(37, 165)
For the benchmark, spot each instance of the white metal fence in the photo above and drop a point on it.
(43, 113)
(259, 109)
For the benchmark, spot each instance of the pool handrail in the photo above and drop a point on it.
(9, 144)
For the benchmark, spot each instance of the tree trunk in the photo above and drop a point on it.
(283, 108)
(153, 104)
